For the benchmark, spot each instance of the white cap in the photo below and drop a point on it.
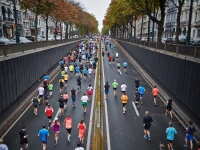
(114, 80)
(56, 118)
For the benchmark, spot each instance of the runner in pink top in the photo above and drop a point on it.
(65, 97)
(68, 125)
(56, 128)
(82, 128)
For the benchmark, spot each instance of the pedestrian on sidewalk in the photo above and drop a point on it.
(89, 91)
(49, 112)
(155, 93)
(43, 133)
(137, 83)
(73, 96)
(169, 107)
(81, 132)
(36, 102)
(170, 131)
(3, 146)
(190, 135)
(79, 146)
(137, 98)
(56, 128)
(147, 119)
(124, 99)
(50, 87)
(106, 89)
(61, 102)
(23, 138)
(141, 90)
(68, 126)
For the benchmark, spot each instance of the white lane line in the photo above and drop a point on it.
(91, 116)
(23, 112)
(106, 112)
(137, 113)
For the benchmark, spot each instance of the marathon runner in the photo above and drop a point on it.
(115, 85)
(49, 112)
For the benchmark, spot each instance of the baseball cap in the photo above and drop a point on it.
(114, 80)
(56, 118)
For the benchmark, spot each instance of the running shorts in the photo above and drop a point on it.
(189, 137)
(147, 126)
(69, 130)
(106, 91)
(84, 104)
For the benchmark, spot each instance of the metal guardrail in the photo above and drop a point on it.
(5, 50)
(193, 51)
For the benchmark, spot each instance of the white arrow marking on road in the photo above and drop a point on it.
(135, 109)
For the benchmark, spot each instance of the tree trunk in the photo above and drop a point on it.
(56, 24)
(67, 32)
(47, 28)
(141, 29)
(60, 31)
(36, 22)
(160, 31)
(148, 38)
(178, 24)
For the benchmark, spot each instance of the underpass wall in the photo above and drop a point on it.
(181, 77)
(18, 74)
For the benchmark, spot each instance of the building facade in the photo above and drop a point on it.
(170, 20)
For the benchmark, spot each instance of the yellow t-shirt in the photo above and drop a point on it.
(65, 77)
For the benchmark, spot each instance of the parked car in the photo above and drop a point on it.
(39, 38)
(163, 40)
(23, 40)
(5, 41)
(31, 38)
(51, 38)
(196, 43)
(170, 40)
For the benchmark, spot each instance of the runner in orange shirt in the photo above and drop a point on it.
(155, 92)
(82, 128)
(68, 125)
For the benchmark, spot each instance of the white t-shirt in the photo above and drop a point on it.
(79, 148)
(84, 98)
(89, 88)
(41, 90)
(66, 68)
(117, 55)
(83, 56)
(90, 71)
(80, 50)
(123, 87)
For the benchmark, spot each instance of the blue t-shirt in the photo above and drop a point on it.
(43, 133)
(141, 89)
(47, 77)
(76, 63)
(170, 133)
(84, 71)
(61, 63)
(77, 69)
(125, 64)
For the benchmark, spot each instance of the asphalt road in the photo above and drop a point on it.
(34, 123)
(126, 130)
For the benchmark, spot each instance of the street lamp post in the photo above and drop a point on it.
(16, 23)
(189, 23)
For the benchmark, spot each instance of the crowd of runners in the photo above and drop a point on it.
(81, 64)
(113, 59)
